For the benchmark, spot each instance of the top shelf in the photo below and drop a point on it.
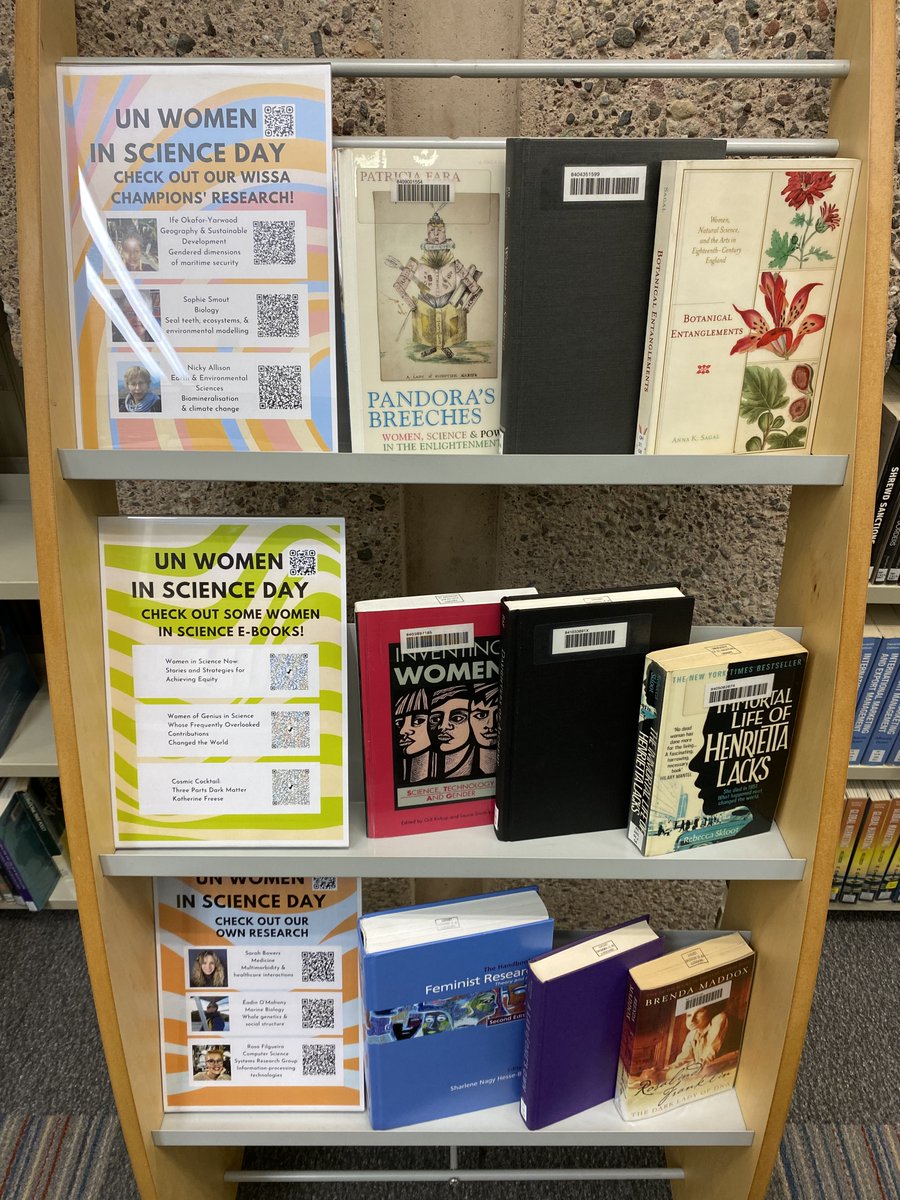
(798, 470)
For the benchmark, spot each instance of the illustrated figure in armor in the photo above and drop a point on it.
(439, 292)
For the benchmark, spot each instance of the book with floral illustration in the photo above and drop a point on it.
(746, 268)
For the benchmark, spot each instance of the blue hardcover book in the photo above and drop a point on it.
(443, 989)
(886, 728)
(24, 858)
(870, 643)
(880, 681)
(573, 1020)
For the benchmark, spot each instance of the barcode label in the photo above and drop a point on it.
(441, 637)
(605, 949)
(603, 183)
(575, 639)
(702, 999)
(407, 191)
(729, 693)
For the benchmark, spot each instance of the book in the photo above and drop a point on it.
(570, 682)
(684, 1025)
(18, 682)
(44, 805)
(720, 375)
(856, 797)
(258, 993)
(24, 858)
(883, 849)
(580, 215)
(870, 643)
(421, 251)
(885, 727)
(716, 721)
(877, 811)
(889, 887)
(886, 492)
(225, 642)
(430, 685)
(200, 243)
(443, 994)
(880, 680)
(574, 1007)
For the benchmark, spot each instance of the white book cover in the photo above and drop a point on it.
(746, 267)
(421, 254)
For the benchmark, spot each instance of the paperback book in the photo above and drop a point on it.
(855, 800)
(875, 817)
(199, 213)
(684, 1025)
(226, 680)
(430, 689)
(746, 267)
(875, 697)
(258, 993)
(443, 993)
(580, 215)
(574, 1009)
(570, 685)
(716, 722)
(421, 253)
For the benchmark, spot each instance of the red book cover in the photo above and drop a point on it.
(429, 670)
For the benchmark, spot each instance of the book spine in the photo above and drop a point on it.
(6, 890)
(512, 249)
(884, 506)
(889, 888)
(39, 820)
(862, 854)
(626, 1046)
(646, 756)
(885, 841)
(506, 729)
(880, 680)
(660, 290)
(887, 727)
(13, 874)
(854, 807)
(867, 657)
(530, 1101)
(886, 564)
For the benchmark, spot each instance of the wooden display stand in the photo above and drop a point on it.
(823, 590)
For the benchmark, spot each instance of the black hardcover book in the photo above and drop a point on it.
(570, 690)
(887, 494)
(580, 222)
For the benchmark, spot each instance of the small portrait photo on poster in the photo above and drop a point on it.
(136, 240)
(138, 390)
(135, 322)
(211, 1064)
(209, 1014)
(208, 968)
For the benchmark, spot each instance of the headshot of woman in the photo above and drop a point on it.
(208, 969)
(411, 735)
(451, 734)
(139, 395)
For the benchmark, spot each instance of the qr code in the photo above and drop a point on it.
(317, 1013)
(324, 883)
(289, 672)
(290, 789)
(279, 121)
(303, 562)
(280, 387)
(278, 314)
(291, 730)
(274, 243)
(317, 966)
(320, 1058)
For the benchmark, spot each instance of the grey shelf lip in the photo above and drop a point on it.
(765, 147)
(798, 470)
(860, 772)
(883, 593)
(866, 906)
(18, 565)
(715, 1121)
(463, 853)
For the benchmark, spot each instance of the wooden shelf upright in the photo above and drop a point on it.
(823, 590)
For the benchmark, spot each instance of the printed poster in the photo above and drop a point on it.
(259, 994)
(226, 680)
(199, 209)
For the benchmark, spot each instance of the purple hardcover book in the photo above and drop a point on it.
(573, 1020)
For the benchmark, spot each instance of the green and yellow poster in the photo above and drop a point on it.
(226, 680)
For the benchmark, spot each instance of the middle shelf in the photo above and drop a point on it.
(473, 852)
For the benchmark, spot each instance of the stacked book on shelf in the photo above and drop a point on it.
(875, 741)
(33, 853)
(462, 284)
(884, 563)
(867, 861)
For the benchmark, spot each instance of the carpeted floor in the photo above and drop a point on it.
(60, 1139)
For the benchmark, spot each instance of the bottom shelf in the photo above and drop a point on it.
(63, 894)
(864, 906)
(717, 1121)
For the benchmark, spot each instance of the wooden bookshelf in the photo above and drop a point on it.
(823, 590)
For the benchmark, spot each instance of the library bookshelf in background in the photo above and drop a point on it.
(725, 1152)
